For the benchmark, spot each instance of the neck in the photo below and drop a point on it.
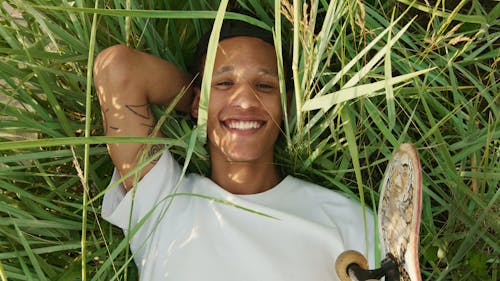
(245, 177)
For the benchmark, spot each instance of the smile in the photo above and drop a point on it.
(243, 125)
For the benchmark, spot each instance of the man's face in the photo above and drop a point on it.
(244, 112)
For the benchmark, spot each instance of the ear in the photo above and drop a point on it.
(196, 102)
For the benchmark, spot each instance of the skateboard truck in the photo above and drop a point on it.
(351, 265)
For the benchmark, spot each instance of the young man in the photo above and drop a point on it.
(269, 227)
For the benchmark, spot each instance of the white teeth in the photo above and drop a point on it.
(244, 125)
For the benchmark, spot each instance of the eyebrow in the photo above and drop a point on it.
(223, 70)
(267, 71)
(229, 68)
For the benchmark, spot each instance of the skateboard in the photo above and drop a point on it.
(399, 222)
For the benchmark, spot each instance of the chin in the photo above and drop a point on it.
(241, 158)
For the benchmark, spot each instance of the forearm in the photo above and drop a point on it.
(127, 82)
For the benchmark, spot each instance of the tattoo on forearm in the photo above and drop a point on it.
(155, 148)
(105, 121)
(105, 124)
(142, 111)
(150, 128)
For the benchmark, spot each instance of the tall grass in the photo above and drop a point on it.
(366, 78)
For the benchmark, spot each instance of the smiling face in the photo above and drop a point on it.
(244, 112)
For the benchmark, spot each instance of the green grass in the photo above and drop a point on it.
(348, 114)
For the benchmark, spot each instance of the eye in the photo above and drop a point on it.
(222, 85)
(265, 86)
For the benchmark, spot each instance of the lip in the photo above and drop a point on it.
(242, 126)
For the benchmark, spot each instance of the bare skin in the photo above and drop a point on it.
(244, 114)
(127, 81)
(243, 118)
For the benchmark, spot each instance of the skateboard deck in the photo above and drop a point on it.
(399, 223)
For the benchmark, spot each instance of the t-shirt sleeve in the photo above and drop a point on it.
(152, 189)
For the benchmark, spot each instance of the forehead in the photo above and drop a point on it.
(246, 51)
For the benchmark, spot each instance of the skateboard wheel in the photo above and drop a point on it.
(345, 260)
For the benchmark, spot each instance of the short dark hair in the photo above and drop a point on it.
(234, 28)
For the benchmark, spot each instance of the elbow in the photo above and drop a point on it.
(112, 67)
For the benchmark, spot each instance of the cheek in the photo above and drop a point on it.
(274, 107)
(215, 107)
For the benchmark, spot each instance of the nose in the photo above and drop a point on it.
(245, 97)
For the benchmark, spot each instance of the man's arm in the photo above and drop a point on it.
(127, 82)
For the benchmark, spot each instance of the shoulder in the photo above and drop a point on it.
(317, 193)
(355, 222)
(335, 209)
(322, 204)
(331, 207)
(154, 186)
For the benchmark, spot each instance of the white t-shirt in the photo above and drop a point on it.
(294, 231)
